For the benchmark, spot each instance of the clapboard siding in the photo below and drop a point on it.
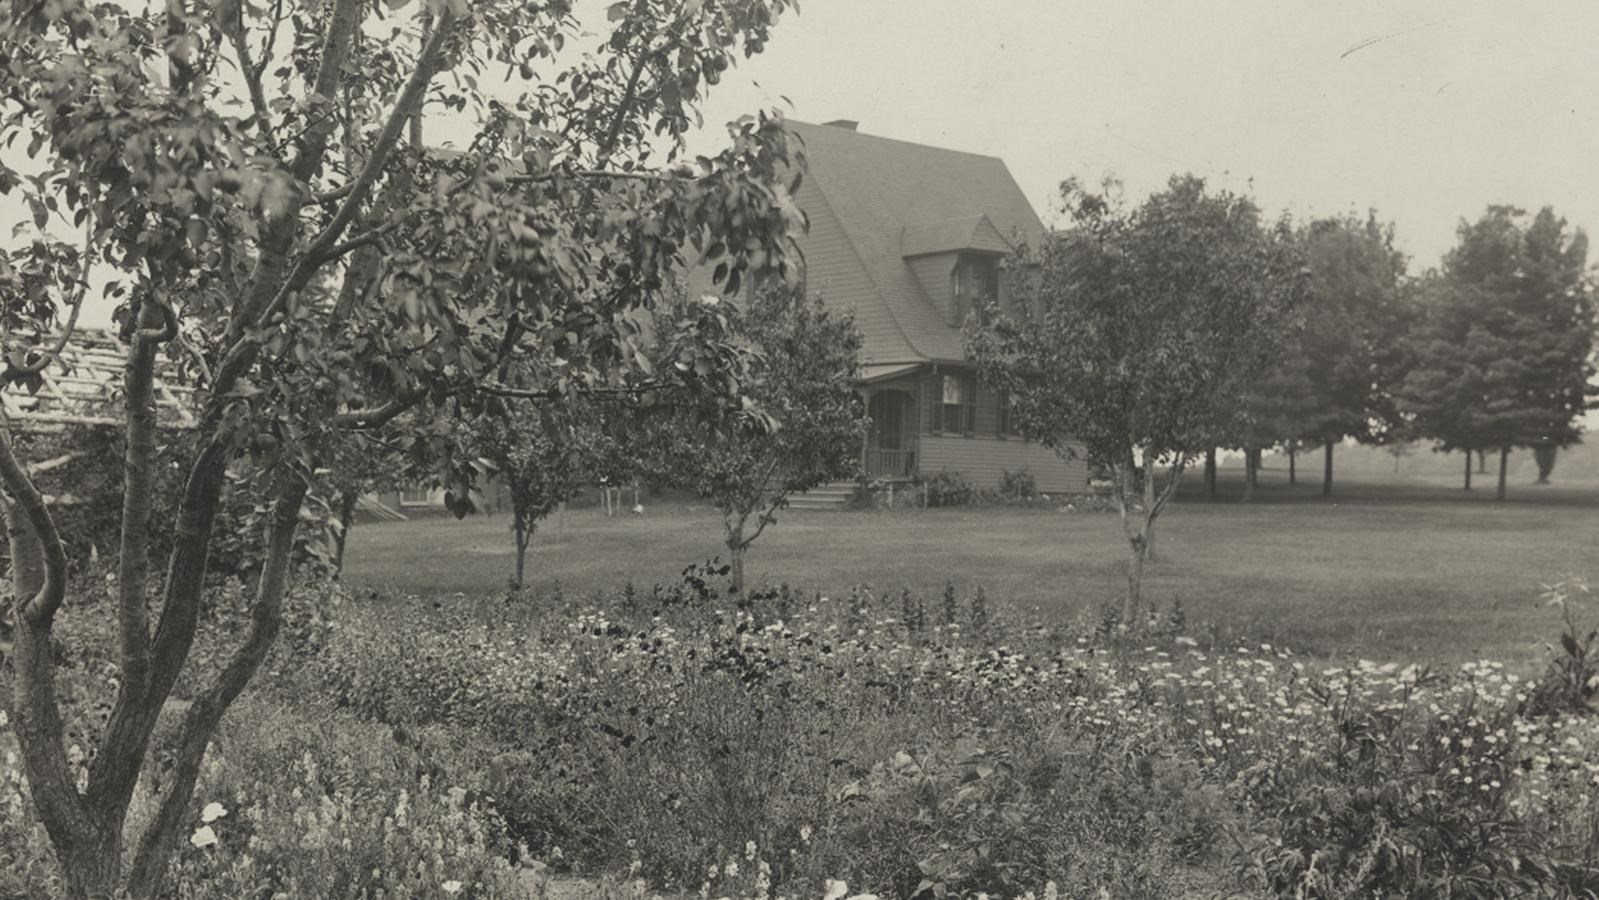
(984, 460)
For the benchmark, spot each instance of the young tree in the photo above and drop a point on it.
(360, 463)
(313, 274)
(541, 455)
(1502, 357)
(804, 380)
(1148, 323)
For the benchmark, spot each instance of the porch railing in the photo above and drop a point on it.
(890, 463)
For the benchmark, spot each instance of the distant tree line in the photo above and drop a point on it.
(1490, 352)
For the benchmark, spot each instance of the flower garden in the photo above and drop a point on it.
(675, 742)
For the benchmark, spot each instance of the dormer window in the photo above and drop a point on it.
(976, 277)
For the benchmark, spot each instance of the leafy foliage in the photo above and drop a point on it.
(1137, 331)
(239, 170)
(1501, 353)
(802, 379)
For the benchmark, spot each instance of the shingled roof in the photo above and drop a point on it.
(873, 201)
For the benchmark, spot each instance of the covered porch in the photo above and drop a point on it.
(892, 396)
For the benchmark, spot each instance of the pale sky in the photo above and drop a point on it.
(1427, 111)
(1424, 109)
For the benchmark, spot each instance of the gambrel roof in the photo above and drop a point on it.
(83, 386)
(875, 201)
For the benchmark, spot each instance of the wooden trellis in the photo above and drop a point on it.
(83, 386)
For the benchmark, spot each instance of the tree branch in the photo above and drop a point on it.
(271, 40)
(387, 138)
(614, 130)
(205, 713)
(41, 736)
(299, 274)
(252, 75)
(42, 606)
(379, 416)
(133, 560)
(75, 306)
(363, 239)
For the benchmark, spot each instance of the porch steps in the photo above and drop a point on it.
(828, 496)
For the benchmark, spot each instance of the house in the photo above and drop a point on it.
(907, 237)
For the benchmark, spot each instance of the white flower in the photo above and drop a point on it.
(451, 887)
(203, 837)
(213, 812)
(835, 890)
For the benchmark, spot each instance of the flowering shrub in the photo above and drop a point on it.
(897, 745)
(883, 742)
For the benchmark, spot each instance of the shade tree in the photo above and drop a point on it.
(1502, 355)
(243, 174)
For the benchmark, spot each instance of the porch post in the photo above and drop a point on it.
(866, 434)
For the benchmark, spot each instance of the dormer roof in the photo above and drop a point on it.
(953, 236)
(888, 200)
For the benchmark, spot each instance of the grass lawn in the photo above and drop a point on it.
(1413, 570)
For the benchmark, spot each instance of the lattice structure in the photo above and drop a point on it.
(83, 386)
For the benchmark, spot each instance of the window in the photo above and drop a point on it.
(975, 278)
(415, 496)
(955, 409)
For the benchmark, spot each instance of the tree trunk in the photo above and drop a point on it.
(1544, 455)
(1149, 504)
(1135, 579)
(93, 866)
(1293, 452)
(524, 537)
(1482, 462)
(733, 531)
(1210, 474)
(1468, 470)
(1251, 460)
(347, 502)
(1327, 469)
(1504, 462)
